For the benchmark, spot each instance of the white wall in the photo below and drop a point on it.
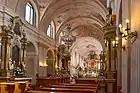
(131, 11)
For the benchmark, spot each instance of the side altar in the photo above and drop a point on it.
(13, 51)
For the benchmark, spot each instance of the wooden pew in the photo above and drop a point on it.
(86, 81)
(66, 89)
(80, 88)
(44, 81)
(71, 90)
(80, 84)
(75, 87)
(37, 91)
(61, 85)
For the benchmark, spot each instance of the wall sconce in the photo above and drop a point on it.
(127, 34)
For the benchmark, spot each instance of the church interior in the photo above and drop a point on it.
(69, 46)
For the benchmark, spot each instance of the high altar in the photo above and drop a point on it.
(13, 52)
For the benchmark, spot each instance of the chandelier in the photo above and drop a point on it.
(68, 38)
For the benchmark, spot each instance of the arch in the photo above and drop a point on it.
(52, 30)
(31, 48)
(50, 49)
(83, 43)
(50, 62)
(50, 54)
(31, 61)
(20, 6)
(36, 10)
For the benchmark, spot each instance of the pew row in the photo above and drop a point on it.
(64, 89)
(86, 81)
(43, 81)
(61, 85)
(71, 88)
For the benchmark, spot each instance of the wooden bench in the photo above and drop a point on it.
(43, 81)
(60, 85)
(75, 87)
(72, 90)
(80, 84)
(37, 91)
(86, 81)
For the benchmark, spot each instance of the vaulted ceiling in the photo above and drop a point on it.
(87, 17)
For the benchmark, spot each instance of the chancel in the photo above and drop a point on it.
(69, 46)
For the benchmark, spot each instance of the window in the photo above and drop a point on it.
(53, 35)
(60, 41)
(51, 32)
(29, 14)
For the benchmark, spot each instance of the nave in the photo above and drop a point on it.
(69, 46)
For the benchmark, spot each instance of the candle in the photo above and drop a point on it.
(127, 23)
(120, 26)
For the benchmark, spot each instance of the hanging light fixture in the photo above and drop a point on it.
(68, 38)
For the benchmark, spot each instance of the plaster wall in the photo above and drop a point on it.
(135, 60)
(42, 60)
(131, 11)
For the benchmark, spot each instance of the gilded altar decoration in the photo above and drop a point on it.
(13, 49)
(64, 49)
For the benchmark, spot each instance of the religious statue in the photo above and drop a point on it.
(109, 15)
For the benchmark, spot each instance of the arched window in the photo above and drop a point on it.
(60, 41)
(30, 15)
(51, 31)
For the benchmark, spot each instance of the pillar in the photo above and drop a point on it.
(5, 49)
(110, 34)
(23, 51)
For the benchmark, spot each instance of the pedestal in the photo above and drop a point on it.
(111, 82)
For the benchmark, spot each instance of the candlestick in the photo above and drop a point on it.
(127, 25)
